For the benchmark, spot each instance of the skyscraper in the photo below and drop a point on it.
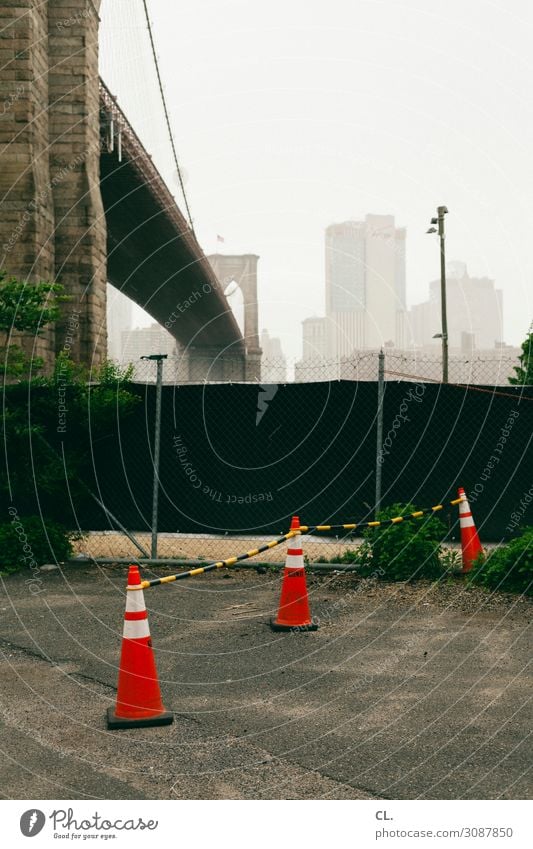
(365, 284)
(474, 310)
(119, 320)
(274, 362)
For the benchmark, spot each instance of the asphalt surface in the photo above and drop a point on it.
(404, 692)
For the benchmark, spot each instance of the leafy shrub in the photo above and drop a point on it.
(404, 551)
(38, 458)
(349, 556)
(26, 542)
(508, 568)
(451, 561)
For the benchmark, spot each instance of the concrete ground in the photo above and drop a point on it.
(404, 691)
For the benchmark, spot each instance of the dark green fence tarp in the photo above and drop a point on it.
(244, 458)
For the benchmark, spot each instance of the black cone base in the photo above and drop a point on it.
(114, 721)
(313, 626)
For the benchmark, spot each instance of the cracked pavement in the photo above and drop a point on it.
(405, 691)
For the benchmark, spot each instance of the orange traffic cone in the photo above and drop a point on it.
(138, 696)
(294, 613)
(470, 544)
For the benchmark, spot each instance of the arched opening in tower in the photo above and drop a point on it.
(235, 301)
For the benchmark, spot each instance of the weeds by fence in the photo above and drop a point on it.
(237, 460)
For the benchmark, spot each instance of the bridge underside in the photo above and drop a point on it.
(153, 258)
(83, 203)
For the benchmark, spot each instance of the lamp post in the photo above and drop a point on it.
(439, 221)
(157, 444)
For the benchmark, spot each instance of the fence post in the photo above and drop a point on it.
(157, 445)
(379, 428)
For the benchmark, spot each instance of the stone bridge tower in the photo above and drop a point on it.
(242, 269)
(52, 225)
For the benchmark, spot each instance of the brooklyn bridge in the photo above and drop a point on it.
(83, 203)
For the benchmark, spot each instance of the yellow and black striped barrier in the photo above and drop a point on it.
(307, 529)
(209, 567)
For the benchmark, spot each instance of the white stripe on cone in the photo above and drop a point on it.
(134, 601)
(135, 629)
(294, 561)
(466, 522)
(465, 515)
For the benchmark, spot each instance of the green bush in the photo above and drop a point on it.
(26, 542)
(348, 557)
(43, 468)
(451, 561)
(508, 568)
(405, 551)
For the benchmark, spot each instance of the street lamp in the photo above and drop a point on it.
(439, 221)
(157, 443)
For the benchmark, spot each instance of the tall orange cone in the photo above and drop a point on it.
(294, 613)
(470, 544)
(138, 695)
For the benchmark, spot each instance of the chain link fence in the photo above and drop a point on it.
(476, 368)
(237, 460)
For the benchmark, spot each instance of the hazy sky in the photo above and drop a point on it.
(291, 115)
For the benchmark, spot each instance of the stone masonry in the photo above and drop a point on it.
(52, 224)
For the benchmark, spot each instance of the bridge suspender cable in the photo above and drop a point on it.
(167, 118)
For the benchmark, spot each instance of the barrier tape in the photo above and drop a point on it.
(216, 565)
(309, 529)
(230, 561)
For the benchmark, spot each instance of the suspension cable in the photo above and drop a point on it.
(167, 117)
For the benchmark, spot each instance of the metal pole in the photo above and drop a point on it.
(379, 428)
(157, 445)
(441, 211)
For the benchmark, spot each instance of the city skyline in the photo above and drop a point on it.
(287, 120)
(345, 298)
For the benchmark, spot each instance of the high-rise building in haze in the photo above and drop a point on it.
(119, 319)
(273, 360)
(474, 311)
(365, 284)
(144, 341)
(314, 338)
